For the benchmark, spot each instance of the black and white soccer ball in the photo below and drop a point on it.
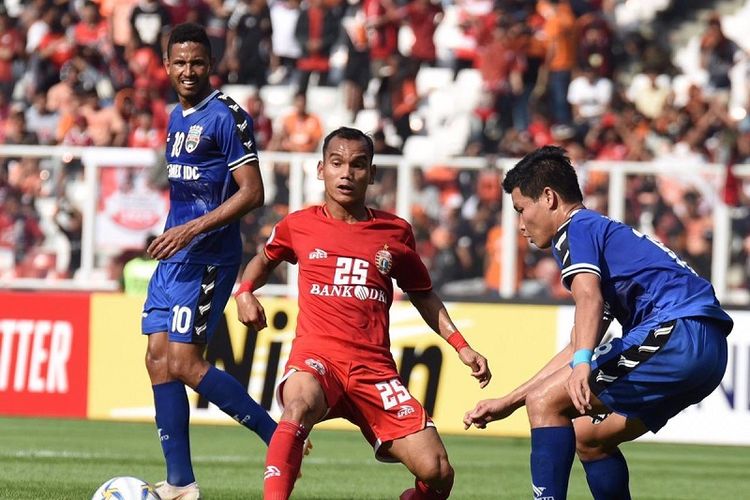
(125, 488)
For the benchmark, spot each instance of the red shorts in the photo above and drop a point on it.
(370, 394)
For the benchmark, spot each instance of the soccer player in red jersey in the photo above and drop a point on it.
(340, 364)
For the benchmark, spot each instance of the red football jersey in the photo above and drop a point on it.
(345, 273)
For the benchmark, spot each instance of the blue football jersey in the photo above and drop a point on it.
(641, 279)
(204, 145)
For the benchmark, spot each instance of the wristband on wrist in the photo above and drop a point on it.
(581, 356)
(245, 286)
(457, 340)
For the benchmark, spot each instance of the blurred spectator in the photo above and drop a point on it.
(19, 229)
(248, 43)
(41, 121)
(316, 32)
(398, 96)
(149, 23)
(262, 125)
(15, 130)
(301, 131)
(92, 31)
(105, 124)
(422, 17)
(382, 34)
(144, 134)
(69, 221)
(137, 271)
(53, 52)
(357, 70)
(380, 145)
(560, 37)
(11, 50)
(286, 48)
(650, 92)
(590, 95)
(545, 282)
(444, 265)
(717, 54)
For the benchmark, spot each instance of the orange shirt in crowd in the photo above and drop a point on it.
(302, 133)
(559, 31)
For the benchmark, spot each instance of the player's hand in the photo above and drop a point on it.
(578, 388)
(171, 241)
(250, 312)
(480, 370)
(486, 411)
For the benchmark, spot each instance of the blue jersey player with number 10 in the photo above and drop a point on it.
(672, 354)
(214, 180)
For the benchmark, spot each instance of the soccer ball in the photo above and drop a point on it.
(125, 488)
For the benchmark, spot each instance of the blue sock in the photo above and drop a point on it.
(224, 391)
(552, 452)
(172, 419)
(608, 477)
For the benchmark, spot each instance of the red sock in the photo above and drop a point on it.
(283, 460)
(423, 491)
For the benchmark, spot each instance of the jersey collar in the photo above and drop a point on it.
(327, 215)
(190, 111)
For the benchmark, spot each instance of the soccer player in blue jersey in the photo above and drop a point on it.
(672, 354)
(214, 179)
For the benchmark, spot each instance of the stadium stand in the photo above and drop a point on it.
(486, 95)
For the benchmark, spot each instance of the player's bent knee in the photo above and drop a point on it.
(436, 472)
(299, 410)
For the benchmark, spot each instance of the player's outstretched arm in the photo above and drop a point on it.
(436, 316)
(489, 410)
(248, 196)
(249, 310)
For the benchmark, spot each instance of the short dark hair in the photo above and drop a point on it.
(351, 134)
(188, 32)
(548, 166)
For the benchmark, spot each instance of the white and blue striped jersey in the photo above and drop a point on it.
(641, 279)
(204, 145)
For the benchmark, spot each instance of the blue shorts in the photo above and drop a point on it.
(658, 370)
(187, 300)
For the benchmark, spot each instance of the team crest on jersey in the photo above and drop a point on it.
(384, 260)
(193, 138)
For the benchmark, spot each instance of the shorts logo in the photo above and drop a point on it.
(404, 410)
(384, 260)
(317, 254)
(271, 471)
(193, 138)
(316, 365)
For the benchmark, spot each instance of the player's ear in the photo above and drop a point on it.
(372, 173)
(320, 170)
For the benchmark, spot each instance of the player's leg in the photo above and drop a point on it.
(424, 455)
(305, 405)
(553, 440)
(597, 447)
(172, 412)
(194, 318)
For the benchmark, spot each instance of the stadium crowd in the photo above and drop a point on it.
(85, 73)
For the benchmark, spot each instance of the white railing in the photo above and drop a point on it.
(712, 176)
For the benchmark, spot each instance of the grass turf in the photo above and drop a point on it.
(69, 459)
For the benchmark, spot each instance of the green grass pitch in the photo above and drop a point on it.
(69, 459)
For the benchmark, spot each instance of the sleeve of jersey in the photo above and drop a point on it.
(236, 138)
(579, 251)
(411, 274)
(279, 244)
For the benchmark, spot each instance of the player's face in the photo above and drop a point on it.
(188, 65)
(346, 172)
(536, 220)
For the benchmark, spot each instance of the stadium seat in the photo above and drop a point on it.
(467, 89)
(367, 120)
(277, 99)
(239, 93)
(421, 149)
(429, 79)
(322, 100)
